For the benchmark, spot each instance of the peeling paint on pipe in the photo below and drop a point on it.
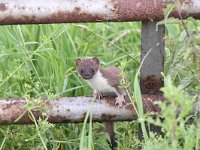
(74, 109)
(67, 11)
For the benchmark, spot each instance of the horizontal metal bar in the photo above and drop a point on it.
(73, 109)
(66, 11)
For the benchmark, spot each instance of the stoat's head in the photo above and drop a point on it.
(87, 68)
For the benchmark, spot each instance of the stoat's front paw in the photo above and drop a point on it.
(97, 95)
(120, 100)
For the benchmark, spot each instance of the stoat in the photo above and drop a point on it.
(103, 81)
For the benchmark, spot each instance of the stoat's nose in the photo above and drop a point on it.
(87, 76)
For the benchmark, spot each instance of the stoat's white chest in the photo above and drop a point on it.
(99, 83)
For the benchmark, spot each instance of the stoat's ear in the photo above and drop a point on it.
(96, 60)
(78, 61)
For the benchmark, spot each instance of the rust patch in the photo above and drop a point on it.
(76, 16)
(58, 119)
(151, 84)
(2, 7)
(25, 119)
(108, 117)
(130, 107)
(77, 9)
(141, 10)
(149, 102)
(110, 101)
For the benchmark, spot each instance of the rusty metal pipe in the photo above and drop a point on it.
(66, 11)
(73, 109)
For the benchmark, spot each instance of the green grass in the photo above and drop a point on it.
(39, 61)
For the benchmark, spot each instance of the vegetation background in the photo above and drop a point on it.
(39, 61)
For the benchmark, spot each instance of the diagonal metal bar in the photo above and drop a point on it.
(57, 11)
(73, 109)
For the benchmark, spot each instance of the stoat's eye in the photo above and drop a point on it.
(81, 71)
(92, 70)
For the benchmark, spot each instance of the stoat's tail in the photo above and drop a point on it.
(110, 129)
